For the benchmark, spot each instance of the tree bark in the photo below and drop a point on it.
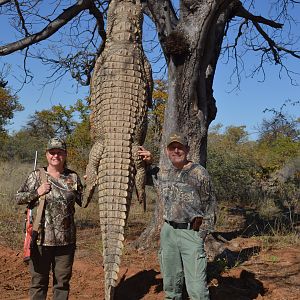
(192, 49)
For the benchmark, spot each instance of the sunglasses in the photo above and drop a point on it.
(57, 152)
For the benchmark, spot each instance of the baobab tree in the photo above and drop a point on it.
(192, 35)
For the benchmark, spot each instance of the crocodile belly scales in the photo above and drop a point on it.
(119, 111)
(120, 90)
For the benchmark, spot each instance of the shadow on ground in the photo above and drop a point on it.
(138, 286)
(245, 287)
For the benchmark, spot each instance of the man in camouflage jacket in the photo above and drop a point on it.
(189, 214)
(56, 240)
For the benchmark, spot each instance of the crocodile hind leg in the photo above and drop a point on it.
(92, 170)
(140, 177)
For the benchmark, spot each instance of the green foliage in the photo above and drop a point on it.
(280, 125)
(57, 121)
(156, 118)
(79, 141)
(230, 163)
(22, 146)
(8, 106)
(279, 141)
(264, 173)
(250, 171)
(272, 155)
(79, 144)
(159, 100)
(82, 108)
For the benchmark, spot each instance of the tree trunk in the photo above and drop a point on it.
(192, 50)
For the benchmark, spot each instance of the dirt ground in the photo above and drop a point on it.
(255, 274)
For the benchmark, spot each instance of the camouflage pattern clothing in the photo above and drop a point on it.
(58, 226)
(188, 193)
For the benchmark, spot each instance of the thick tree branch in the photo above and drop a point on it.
(100, 21)
(273, 46)
(162, 14)
(101, 30)
(257, 20)
(21, 17)
(243, 13)
(49, 30)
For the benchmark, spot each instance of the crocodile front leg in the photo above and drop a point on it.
(140, 177)
(92, 171)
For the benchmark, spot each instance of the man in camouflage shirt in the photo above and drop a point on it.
(189, 214)
(57, 233)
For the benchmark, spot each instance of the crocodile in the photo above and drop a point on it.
(121, 91)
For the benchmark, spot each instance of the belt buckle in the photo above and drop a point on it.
(188, 226)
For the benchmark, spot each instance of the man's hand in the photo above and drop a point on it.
(44, 189)
(196, 223)
(145, 155)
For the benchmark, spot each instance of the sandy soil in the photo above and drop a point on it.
(257, 274)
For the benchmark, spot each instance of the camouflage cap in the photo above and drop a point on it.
(56, 143)
(177, 137)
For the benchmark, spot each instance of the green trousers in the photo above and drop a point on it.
(43, 258)
(182, 259)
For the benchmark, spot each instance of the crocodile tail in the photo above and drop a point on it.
(116, 177)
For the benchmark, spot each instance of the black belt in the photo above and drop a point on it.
(179, 225)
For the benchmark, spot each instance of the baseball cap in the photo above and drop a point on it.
(56, 143)
(177, 137)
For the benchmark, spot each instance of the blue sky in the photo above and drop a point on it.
(239, 107)
(246, 105)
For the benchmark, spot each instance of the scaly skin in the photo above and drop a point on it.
(120, 93)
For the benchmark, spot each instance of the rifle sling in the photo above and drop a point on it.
(40, 209)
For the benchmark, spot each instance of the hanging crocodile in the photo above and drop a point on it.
(121, 91)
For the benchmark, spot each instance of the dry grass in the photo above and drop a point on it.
(12, 216)
(268, 209)
(279, 240)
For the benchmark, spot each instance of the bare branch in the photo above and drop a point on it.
(49, 30)
(269, 41)
(80, 65)
(21, 17)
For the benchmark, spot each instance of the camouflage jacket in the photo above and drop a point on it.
(58, 226)
(186, 194)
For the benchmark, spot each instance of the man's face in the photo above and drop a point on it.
(177, 154)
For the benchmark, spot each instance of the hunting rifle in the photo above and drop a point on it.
(29, 224)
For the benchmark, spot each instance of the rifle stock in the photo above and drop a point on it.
(28, 234)
(28, 226)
